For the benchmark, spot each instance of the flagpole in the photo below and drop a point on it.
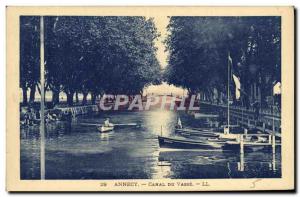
(42, 78)
(228, 75)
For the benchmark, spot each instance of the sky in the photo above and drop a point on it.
(161, 23)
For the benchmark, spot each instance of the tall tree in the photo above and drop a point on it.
(29, 56)
(200, 47)
(96, 55)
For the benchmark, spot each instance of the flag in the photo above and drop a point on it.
(237, 86)
(277, 88)
(234, 77)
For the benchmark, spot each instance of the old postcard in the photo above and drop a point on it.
(150, 98)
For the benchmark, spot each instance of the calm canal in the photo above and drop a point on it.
(78, 151)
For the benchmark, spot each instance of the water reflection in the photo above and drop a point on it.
(162, 170)
(241, 164)
(76, 151)
(106, 137)
(161, 121)
(273, 164)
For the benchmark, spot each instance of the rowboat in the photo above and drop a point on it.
(251, 143)
(200, 128)
(177, 143)
(115, 125)
(248, 147)
(201, 115)
(104, 129)
(203, 133)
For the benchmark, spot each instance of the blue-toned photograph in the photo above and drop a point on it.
(138, 97)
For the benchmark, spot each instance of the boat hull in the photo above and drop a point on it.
(203, 133)
(248, 147)
(103, 129)
(165, 142)
(201, 115)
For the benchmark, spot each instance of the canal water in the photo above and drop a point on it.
(79, 151)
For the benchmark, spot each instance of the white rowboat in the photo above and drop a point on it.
(201, 115)
(116, 125)
(104, 129)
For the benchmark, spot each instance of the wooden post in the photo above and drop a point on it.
(274, 162)
(273, 132)
(228, 90)
(254, 91)
(273, 121)
(42, 77)
(270, 139)
(242, 144)
(242, 115)
(241, 166)
(273, 144)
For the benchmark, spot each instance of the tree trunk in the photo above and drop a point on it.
(24, 90)
(84, 100)
(265, 91)
(76, 97)
(55, 97)
(32, 94)
(93, 98)
(232, 94)
(209, 95)
(70, 98)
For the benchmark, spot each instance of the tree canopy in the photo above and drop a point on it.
(96, 55)
(200, 46)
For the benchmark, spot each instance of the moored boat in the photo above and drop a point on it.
(203, 133)
(202, 115)
(248, 147)
(200, 128)
(177, 143)
(104, 128)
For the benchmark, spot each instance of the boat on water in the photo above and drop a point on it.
(200, 128)
(107, 126)
(115, 125)
(207, 116)
(203, 133)
(104, 129)
(249, 146)
(215, 133)
(178, 143)
(191, 130)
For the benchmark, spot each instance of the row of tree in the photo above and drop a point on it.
(89, 55)
(200, 48)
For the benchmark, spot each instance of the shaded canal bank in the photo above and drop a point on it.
(265, 120)
(76, 151)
